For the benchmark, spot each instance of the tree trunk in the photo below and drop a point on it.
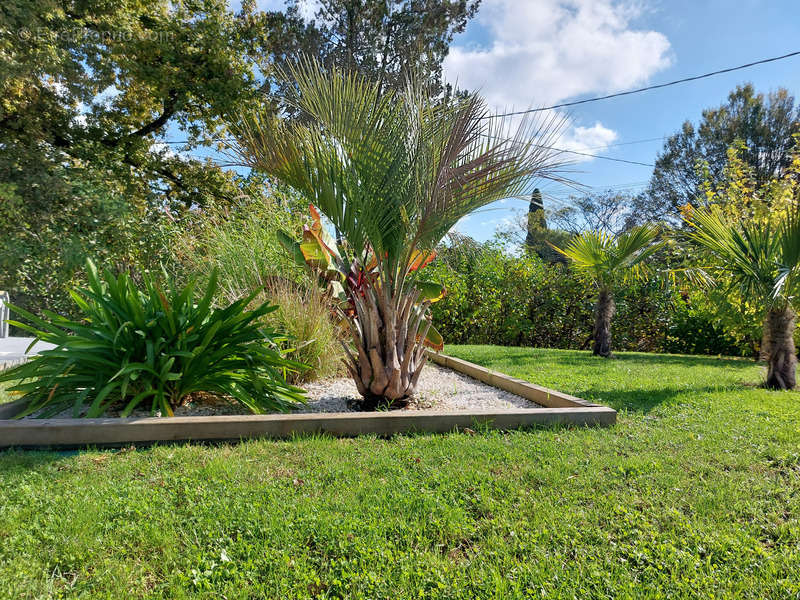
(782, 356)
(388, 336)
(763, 350)
(603, 312)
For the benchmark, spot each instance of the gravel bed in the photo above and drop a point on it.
(438, 389)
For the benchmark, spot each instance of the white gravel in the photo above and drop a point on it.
(438, 389)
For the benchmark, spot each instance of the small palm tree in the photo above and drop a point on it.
(393, 173)
(763, 262)
(607, 260)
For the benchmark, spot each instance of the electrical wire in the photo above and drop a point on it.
(647, 88)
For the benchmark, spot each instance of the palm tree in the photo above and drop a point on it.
(763, 262)
(393, 172)
(607, 260)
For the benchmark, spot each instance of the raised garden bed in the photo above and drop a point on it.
(546, 407)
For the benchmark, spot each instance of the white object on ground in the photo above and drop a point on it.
(4, 314)
(15, 349)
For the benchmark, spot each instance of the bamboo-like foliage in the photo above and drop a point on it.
(393, 173)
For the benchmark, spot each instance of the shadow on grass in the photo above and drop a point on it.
(586, 360)
(19, 460)
(645, 400)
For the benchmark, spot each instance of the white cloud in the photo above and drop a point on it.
(544, 52)
(587, 139)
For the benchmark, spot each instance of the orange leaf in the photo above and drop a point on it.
(420, 259)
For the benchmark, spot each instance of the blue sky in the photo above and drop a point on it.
(531, 53)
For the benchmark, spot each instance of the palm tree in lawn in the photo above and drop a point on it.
(392, 172)
(608, 260)
(763, 262)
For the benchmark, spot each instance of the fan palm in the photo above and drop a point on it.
(763, 262)
(606, 260)
(393, 173)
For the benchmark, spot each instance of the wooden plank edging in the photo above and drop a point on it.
(103, 432)
(559, 409)
(530, 391)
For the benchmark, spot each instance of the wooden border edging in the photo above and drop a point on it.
(540, 395)
(559, 409)
(82, 432)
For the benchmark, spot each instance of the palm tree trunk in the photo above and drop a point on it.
(764, 348)
(388, 336)
(782, 356)
(603, 312)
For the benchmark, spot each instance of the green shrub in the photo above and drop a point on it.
(43, 248)
(152, 345)
(497, 298)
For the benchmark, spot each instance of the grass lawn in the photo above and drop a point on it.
(695, 493)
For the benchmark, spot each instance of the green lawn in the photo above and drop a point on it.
(695, 493)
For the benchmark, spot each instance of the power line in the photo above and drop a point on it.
(655, 139)
(621, 160)
(645, 89)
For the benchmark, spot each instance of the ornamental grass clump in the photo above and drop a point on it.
(151, 346)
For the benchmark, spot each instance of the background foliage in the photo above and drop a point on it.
(496, 298)
(240, 242)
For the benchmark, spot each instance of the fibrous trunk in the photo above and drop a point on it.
(763, 350)
(388, 334)
(781, 374)
(604, 311)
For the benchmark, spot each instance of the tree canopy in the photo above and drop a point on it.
(697, 154)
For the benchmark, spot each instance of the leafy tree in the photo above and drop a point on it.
(387, 39)
(88, 93)
(393, 172)
(98, 83)
(698, 154)
(608, 211)
(608, 260)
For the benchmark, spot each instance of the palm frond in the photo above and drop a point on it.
(749, 252)
(605, 257)
(393, 171)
